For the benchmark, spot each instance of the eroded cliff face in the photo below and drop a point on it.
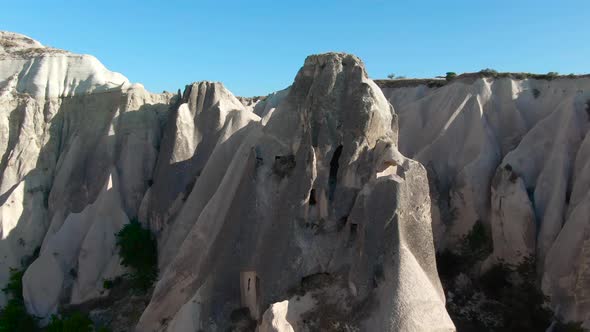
(302, 206)
(316, 188)
(319, 190)
(511, 153)
(69, 127)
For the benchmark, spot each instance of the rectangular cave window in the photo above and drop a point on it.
(312, 200)
(250, 292)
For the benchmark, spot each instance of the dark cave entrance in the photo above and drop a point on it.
(333, 178)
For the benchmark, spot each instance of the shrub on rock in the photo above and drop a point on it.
(138, 250)
(14, 316)
(76, 322)
(14, 287)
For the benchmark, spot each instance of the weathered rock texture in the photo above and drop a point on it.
(303, 193)
(321, 189)
(206, 117)
(79, 145)
(316, 187)
(512, 153)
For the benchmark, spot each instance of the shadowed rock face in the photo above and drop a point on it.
(512, 154)
(95, 169)
(207, 115)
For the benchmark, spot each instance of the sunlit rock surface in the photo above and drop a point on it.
(297, 211)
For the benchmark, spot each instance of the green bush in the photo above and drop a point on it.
(138, 250)
(73, 322)
(449, 265)
(111, 283)
(511, 295)
(478, 242)
(489, 72)
(434, 84)
(524, 302)
(108, 284)
(474, 247)
(14, 287)
(14, 316)
(450, 76)
(104, 329)
(76, 322)
(514, 297)
(391, 76)
(495, 280)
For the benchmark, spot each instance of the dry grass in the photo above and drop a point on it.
(37, 51)
(7, 43)
(488, 73)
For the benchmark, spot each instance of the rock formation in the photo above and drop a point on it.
(317, 188)
(510, 153)
(79, 147)
(207, 116)
(298, 211)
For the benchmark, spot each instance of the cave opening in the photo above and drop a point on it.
(353, 234)
(312, 200)
(332, 179)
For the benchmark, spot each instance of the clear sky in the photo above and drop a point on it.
(256, 47)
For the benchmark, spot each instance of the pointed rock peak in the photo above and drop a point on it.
(325, 69)
(328, 64)
(343, 59)
(204, 85)
(205, 94)
(334, 101)
(333, 76)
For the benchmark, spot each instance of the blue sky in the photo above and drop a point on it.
(256, 47)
